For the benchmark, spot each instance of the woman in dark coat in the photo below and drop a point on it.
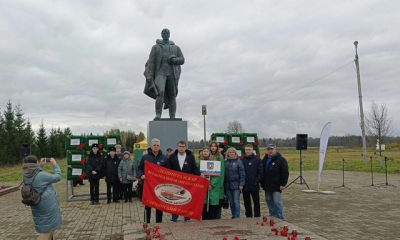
(94, 170)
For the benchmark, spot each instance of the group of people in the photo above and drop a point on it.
(238, 175)
(118, 170)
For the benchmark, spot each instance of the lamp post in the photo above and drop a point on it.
(204, 112)
(361, 104)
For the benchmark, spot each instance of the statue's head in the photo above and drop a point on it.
(165, 34)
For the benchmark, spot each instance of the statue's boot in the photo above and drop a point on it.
(158, 116)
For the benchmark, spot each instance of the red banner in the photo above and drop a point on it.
(174, 192)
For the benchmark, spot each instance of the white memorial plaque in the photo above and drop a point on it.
(91, 141)
(210, 168)
(250, 139)
(111, 141)
(239, 153)
(236, 139)
(75, 142)
(220, 139)
(76, 157)
(76, 172)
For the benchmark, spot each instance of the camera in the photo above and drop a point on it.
(47, 160)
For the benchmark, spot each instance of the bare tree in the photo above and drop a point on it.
(234, 127)
(379, 125)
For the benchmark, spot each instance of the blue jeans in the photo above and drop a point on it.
(175, 218)
(234, 202)
(275, 205)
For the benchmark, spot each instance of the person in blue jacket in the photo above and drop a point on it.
(154, 155)
(234, 180)
(46, 214)
(254, 176)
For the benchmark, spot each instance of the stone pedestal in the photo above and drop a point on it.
(168, 131)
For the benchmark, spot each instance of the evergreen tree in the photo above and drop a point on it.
(41, 143)
(3, 156)
(10, 146)
(55, 148)
(29, 135)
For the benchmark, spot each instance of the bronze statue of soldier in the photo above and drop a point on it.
(162, 72)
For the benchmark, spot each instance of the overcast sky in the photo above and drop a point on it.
(80, 64)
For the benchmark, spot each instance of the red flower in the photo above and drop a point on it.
(258, 155)
(81, 146)
(100, 146)
(147, 232)
(256, 143)
(83, 161)
(240, 143)
(82, 176)
(236, 238)
(284, 233)
(224, 238)
(225, 142)
(242, 156)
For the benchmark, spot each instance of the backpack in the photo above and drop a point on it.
(29, 195)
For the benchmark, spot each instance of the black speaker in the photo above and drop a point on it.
(25, 149)
(301, 141)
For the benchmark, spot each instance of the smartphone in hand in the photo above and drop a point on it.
(47, 160)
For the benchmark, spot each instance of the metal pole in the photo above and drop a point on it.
(361, 104)
(301, 170)
(204, 118)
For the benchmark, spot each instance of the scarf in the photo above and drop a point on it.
(30, 169)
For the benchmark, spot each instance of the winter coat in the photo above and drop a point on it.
(189, 165)
(276, 174)
(47, 214)
(126, 166)
(254, 172)
(160, 159)
(111, 168)
(234, 174)
(94, 163)
(217, 184)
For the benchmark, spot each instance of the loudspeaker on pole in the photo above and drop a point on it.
(301, 141)
(25, 149)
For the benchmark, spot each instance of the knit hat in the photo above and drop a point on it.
(127, 152)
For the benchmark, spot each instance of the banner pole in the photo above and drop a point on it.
(208, 195)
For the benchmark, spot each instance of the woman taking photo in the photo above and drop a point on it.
(234, 180)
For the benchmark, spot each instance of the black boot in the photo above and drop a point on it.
(91, 202)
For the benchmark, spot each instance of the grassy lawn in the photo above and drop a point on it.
(333, 161)
(15, 173)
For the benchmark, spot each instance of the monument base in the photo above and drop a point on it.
(168, 131)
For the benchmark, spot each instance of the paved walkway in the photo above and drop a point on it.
(361, 212)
